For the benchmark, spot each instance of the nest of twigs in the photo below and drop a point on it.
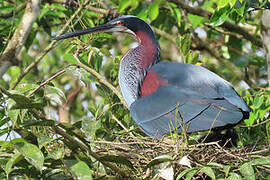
(142, 153)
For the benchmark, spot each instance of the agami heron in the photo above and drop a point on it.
(169, 96)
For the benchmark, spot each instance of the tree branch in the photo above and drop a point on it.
(47, 81)
(49, 47)
(19, 37)
(226, 25)
(82, 146)
(101, 80)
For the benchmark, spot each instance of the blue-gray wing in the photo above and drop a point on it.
(193, 101)
(170, 109)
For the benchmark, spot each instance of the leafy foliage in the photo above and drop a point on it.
(64, 119)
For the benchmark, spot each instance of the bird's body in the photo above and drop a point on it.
(170, 96)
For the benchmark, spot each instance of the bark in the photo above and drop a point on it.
(266, 39)
(19, 37)
(65, 108)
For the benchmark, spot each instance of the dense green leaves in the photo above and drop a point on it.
(30, 152)
(247, 171)
(73, 126)
(79, 169)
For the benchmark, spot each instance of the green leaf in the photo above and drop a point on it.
(209, 172)
(153, 10)
(251, 119)
(258, 101)
(30, 152)
(123, 5)
(69, 58)
(187, 171)
(234, 176)
(232, 2)
(215, 164)
(222, 3)
(43, 141)
(13, 114)
(247, 171)
(226, 170)
(184, 43)
(118, 160)
(240, 11)
(4, 145)
(79, 169)
(196, 20)
(22, 102)
(56, 152)
(176, 13)
(12, 161)
(23, 88)
(260, 161)
(143, 13)
(220, 16)
(90, 126)
(55, 90)
(191, 174)
(158, 160)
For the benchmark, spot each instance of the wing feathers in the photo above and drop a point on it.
(166, 109)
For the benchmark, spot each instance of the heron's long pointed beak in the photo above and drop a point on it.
(101, 28)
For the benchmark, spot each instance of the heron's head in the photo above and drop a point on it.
(128, 24)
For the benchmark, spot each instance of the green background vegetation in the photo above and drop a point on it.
(64, 118)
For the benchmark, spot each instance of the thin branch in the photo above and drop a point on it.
(258, 152)
(101, 80)
(255, 125)
(47, 81)
(120, 123)
(50, 46)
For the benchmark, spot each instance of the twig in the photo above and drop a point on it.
(101, 80)
(137, 143)
(49, 47)
(255, 125)
(46, 82)
(258, 152)
(119, 122)
(230, 154)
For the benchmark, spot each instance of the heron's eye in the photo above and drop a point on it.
(121, 23)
